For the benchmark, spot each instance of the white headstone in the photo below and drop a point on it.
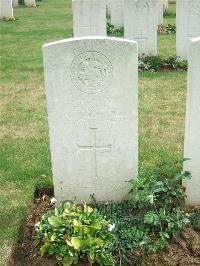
(160, 12)
(108, 7)
(6, 9)
(30, 3)
(117, 13)
(91, 88)
(192, 129)
(188, 25)
(140, 24)
(15, 3)
(89, 18)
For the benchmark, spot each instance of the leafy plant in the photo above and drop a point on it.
(157, 63)
(76, 232)
(163, 188)
(21, 2)
(183, 65)
(9, 19)
(172, 61)
(171, 28)
(195, 219)
(150, 217)
(111, 30)
(160, 197)
(167, 29)
(153, 213)
(150, 63)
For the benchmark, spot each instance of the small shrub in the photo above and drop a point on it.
(171, 28)
(172, 61)
(111, 30)
(76, 232)
(183, 65)
(9, 19)
(21, 2)
(153, 213)
(150, 63)
(163, 188)
(160, 198)
(195, 219)
(157, 63)
(167, 29)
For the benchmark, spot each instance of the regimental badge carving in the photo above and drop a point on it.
(194, 19)
(91, 72)
(195, 8)
(142, 7)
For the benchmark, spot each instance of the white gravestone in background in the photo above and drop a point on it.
(117, 13)
(108, 6)
(166, 4)
(188, 25)
(6, 9)
(89, 18)
(15, 3)
(160, 12)
(92, 88)
(140, 24)
(30, 3)
(192, 130)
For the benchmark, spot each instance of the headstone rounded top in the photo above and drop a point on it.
(195, 8)
(96, 38)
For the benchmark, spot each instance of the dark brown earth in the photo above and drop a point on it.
(184, 252)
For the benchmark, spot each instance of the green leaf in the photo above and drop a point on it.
(87, 209)
(91, 257)
(44, 248)
(67, 206)
(77, 223)
(59, 257)
(98, 241)
(97, 226)
(86, 243)
(148, 218)
(71, 214)
(86, 229)
(53, 237)
(54, 221)
(67, 261)
(76, 242)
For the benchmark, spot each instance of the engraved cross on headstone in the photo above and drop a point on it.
(140, 40)
(94, 148)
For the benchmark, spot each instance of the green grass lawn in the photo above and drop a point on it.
(24, 151)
